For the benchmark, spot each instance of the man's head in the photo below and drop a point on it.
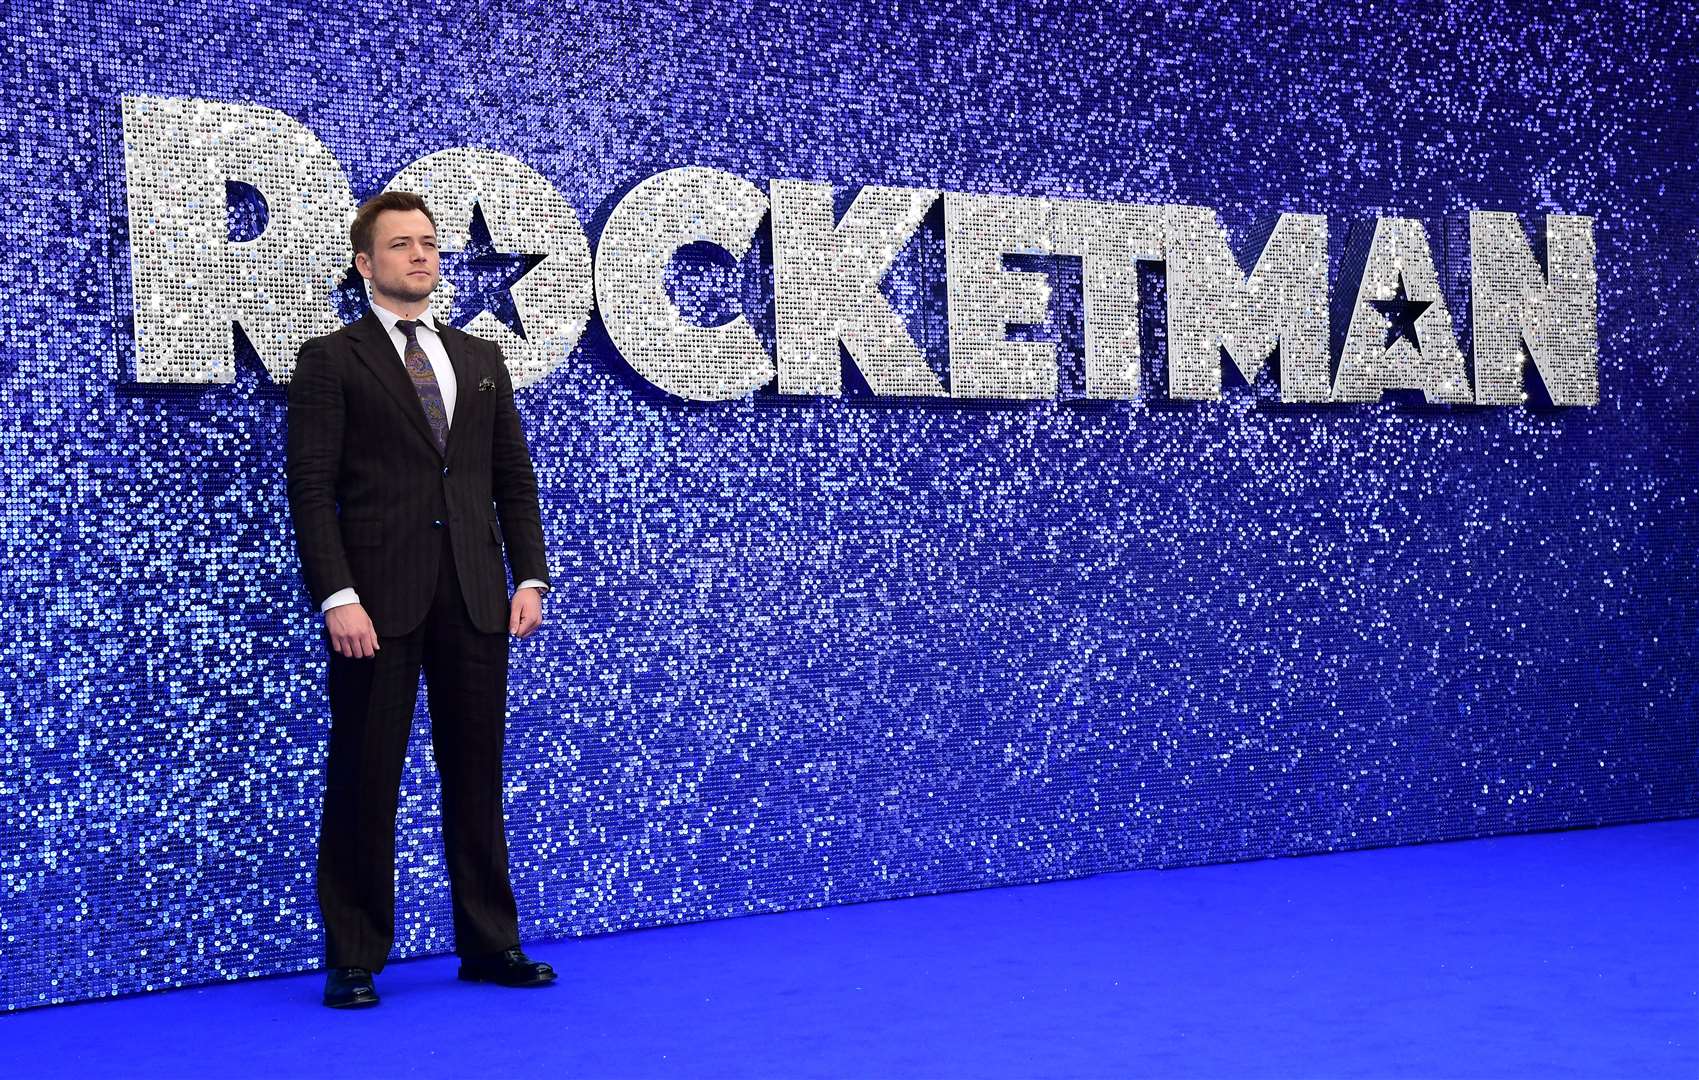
(395, 248)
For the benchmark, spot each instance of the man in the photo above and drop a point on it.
(408, 472)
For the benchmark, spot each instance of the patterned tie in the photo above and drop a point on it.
(424, 381)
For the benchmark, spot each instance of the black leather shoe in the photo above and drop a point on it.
(509, 968)
(349, 988)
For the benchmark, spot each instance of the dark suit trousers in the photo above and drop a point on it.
(372, 703)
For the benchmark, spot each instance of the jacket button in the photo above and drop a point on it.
(437, 524)
(445, 470)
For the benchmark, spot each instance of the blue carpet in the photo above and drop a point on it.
(1569, 954)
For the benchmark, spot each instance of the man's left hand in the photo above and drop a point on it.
(526, 612)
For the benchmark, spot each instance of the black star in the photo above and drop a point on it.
(484, 277)
(1401, 314)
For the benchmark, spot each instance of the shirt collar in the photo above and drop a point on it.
(390, 318)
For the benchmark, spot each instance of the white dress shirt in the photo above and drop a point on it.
(431, 342)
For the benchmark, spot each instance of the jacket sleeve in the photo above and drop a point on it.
(514, 484)
(313, 460)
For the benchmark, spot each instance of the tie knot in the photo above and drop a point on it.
(410, 327)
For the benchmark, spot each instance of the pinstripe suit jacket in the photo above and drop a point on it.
(369, 492)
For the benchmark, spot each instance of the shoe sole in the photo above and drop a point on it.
(357, 1004)
(468, 977)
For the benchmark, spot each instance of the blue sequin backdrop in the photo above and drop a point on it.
(813, 651)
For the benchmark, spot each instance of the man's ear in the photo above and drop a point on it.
(363, 264)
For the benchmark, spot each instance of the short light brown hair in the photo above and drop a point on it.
(365, 221)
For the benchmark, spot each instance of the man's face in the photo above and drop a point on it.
(403, 263)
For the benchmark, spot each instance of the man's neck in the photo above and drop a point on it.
(403, 308)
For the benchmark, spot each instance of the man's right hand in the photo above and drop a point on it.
(351, 632)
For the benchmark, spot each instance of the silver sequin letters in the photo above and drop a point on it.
(1555, 313)
(826, 289)
(191, 281)
(1369, 364)
(655, 219)
(984, 298)
(1282, 304)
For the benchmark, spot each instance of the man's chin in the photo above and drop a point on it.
(411, 293)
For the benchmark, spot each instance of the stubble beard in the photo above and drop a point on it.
(410, 293)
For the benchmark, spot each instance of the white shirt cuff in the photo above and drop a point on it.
(339, 598)
(533, 583)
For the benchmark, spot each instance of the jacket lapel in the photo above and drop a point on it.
(466, 390)
(377, 352)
